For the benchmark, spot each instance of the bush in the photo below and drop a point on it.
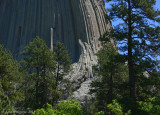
(117, 109)
(47, 111)
(151, 106)
(65, 107)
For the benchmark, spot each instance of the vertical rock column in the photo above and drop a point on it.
(52, 39)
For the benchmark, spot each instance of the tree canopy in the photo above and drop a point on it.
(138, 37)
(10, 81)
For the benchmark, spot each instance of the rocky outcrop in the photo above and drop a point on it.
(76, 23)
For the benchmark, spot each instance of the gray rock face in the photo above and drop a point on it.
(76, 23)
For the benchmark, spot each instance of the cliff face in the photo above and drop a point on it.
(72, 20)
(76, 23)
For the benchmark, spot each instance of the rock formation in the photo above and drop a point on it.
(76, 23)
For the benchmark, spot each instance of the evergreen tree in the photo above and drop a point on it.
(63, 62)
(5, 104)
(39, 60)
(139, 39)
(63, 86)
(45, 82)
(10, 80)
(112, 74)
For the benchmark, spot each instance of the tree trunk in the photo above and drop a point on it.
(111, 88)
(37, 82)
(109, 95)
(57, 76)
(45, 87)
(110, 92)
(130, 57)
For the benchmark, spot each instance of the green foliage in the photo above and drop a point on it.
(39, 62)
(116, 108)
(139, 41)
(145, 106)
(45, 82)
(5, 104)
(111, 72)
(62, 57)
(10, 81)
(63, 62)
(37, 55)
(150, 106)
(63, 66)
(100, 113)
(65, 107)
(48, 111)
(68, 107)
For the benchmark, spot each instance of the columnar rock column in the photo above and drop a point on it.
(52, 39)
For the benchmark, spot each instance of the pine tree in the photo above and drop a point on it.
(111, 72)
(139, 38)
(39, 60)
(10, 80)
(46, 71)
(63, 66)
(63, 62)
(5, 103)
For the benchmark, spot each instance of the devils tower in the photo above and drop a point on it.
(76, 23)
